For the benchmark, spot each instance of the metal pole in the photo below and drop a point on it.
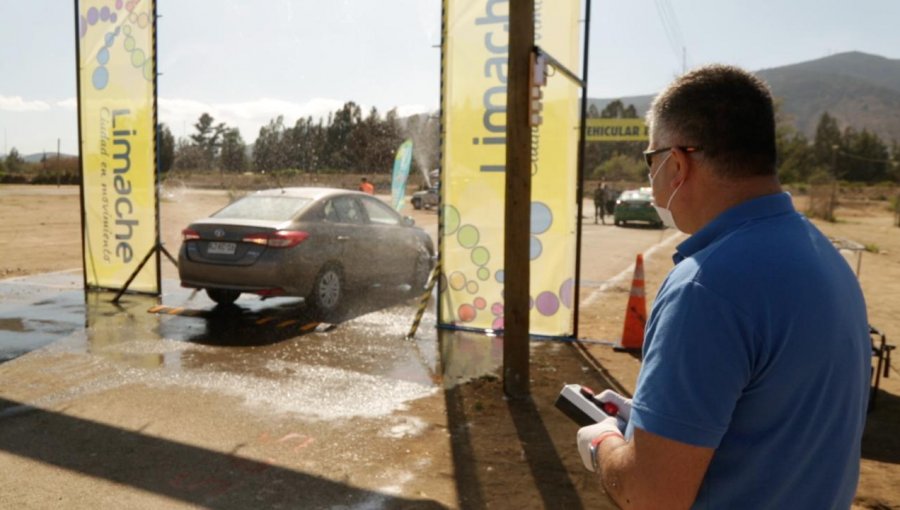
(156, 160)
(518, 201)
(579, 193)
(443, 183)
(84, 243)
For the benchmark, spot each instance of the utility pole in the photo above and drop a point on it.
(518, 201)
(832, 204)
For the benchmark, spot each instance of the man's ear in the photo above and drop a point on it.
(684, 167)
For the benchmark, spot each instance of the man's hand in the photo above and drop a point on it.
(590, 437)
(623, 404)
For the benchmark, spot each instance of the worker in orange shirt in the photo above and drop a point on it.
(366, 187)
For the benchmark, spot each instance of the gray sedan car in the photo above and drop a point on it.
(308, 242)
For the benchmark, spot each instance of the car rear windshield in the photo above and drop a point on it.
(264, 208)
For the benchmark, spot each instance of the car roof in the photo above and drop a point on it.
(305, 192)
(638, 193)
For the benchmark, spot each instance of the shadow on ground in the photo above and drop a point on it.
(881, 440)
(521, 453)
(175, 470)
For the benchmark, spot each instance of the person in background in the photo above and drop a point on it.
(366, 187)
(754, 383)
(601, 197)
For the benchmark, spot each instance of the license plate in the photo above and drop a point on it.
(217, 248)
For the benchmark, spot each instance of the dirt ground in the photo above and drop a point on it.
(521, 454)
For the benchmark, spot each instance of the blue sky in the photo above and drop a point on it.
(245, 61)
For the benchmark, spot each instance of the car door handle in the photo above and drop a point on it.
(343, 238)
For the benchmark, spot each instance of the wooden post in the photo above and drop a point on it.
(517, 274)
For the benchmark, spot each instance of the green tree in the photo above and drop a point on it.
(233, 157)
(621, 167)
(617, 110)
(166, 148)
(14, 162)
(895, 161)
(270, 152)
(303, 144)
(208, 138)
(188, 155)
(863, 157)
(388, 138)
(365, 140)
(794, 157)
(827, 141)
(339, 137)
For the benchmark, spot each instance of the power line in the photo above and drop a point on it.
(870, 160)
(669, 21)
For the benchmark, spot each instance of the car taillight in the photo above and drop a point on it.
(280, 239)
(189, 235)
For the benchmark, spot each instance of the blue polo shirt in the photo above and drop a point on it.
(758, 346)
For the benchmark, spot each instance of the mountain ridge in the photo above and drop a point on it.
(858, 89)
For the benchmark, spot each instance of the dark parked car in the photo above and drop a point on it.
(307, 242)
(636, 205)
(426, 199)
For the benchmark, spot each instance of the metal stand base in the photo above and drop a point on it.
(156, 248)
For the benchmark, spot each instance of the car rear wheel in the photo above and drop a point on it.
(421, 272)
(328, 291)
(223, 296)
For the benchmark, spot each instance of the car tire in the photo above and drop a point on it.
(417, 204)
(327, 294)
(421, 272)
(223, 296)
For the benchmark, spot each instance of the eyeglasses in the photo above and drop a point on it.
(648, 155)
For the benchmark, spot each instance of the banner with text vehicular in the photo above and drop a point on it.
(116, 103)
(616, 130)
(475, 51)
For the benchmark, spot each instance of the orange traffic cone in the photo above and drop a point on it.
(636, 313)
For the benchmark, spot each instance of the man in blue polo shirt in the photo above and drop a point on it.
(754, 384)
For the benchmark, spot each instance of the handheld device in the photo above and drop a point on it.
(581, 405)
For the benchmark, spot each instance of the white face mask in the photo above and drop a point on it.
(665, 215)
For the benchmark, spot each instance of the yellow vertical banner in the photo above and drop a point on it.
(475, 65)
(116, 104)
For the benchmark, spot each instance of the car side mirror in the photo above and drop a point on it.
(408, 221)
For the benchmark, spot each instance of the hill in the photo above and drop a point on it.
(38, 156)
(858, 89)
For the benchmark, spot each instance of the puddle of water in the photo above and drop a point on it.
(363, 368)
(35, 313)
(257, 351)
(466, 356)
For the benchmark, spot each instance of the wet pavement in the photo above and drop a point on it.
(270, 352)
(262, 391)
(178, 403)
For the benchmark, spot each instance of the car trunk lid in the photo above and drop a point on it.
(237, 242)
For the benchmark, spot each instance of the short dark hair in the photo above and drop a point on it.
(725, 110)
